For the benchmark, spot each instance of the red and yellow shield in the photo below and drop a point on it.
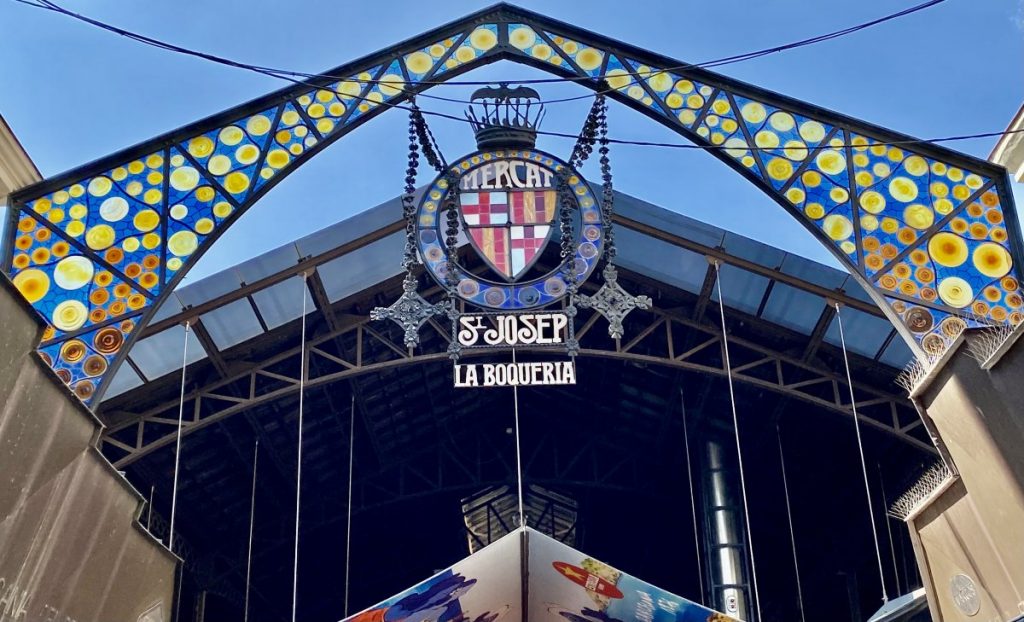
(509, 228)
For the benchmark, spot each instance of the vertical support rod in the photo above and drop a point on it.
(519, 463)
(888, 527)
(298, 472)
(863, 462)
(177, 442)
(348, 506)
(252, 522)
(693, 498)
(789, 519)
(739, 448)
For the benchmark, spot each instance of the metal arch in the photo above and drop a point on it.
(125, 441)
(646, 101)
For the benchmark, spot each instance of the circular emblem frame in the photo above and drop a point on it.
(515, 295)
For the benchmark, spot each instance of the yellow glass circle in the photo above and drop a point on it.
(257, 125)
(903, 189)
(521, 38)
(590, 59)
(955, 292)
(75, 228)
(753, 112)
(915, 165)
(99, 237)
(69, 315)
(152, 196)
(812, 131)
(918, 216)
(32, 283)
(150, 241)
(219, 164)
(830, 162)
(236, 182)
(278, 158)
(200, 146)
(73, 272)
(780, 169)
(99, 186)
(616, 78)
(947, 249)
(419, 62)
(231, 135)
(391, 84)
(184, 179)
(183, 243)
(766, 139)
(483, 39)
(204, 226)
(146, 220)
(660, 81)
(814, 210)
(782, 121)
(247, 154)
(992, 260)
(222, 209)
(837, 227)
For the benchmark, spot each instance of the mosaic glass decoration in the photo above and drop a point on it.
(98, 248)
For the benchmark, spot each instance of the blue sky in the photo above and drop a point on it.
(73, 93)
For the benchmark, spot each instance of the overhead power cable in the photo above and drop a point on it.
(286, 73)
(51, 6)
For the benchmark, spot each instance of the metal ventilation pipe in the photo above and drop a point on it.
(725, 538)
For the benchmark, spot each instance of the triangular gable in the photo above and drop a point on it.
(561, 585)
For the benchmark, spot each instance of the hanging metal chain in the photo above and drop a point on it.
(411, 310)
(428, 145)
(408, 199)
(611, 301)
(451, 276)
(607, 191)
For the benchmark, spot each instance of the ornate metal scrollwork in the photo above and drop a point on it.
(613, 302)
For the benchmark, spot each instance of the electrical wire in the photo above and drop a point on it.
(298, 474)
(863, 461)
(739, 447)
(348, 506)
(282, 73)
(693, 499)
(252, 522)
(177, 442)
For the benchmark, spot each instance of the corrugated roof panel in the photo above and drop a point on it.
(282, 302)
(267, 264)
(742, 290)
(209, 288)
(124, 379)
(661, 260)
(865, 333)
(233, 323)
(793, 308)
(813, 272)
(751, 250)
(162, 353)
(897, 353)
(363, 268)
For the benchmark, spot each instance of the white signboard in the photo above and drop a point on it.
(510, 331)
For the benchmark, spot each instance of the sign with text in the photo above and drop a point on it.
(511, 330)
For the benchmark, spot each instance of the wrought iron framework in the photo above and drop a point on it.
(903, 216)
(133, 436)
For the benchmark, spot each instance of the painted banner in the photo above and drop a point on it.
(564, 585)
(569, 586)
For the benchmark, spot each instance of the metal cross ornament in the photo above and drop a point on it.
(410, 311)
(613, 302)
